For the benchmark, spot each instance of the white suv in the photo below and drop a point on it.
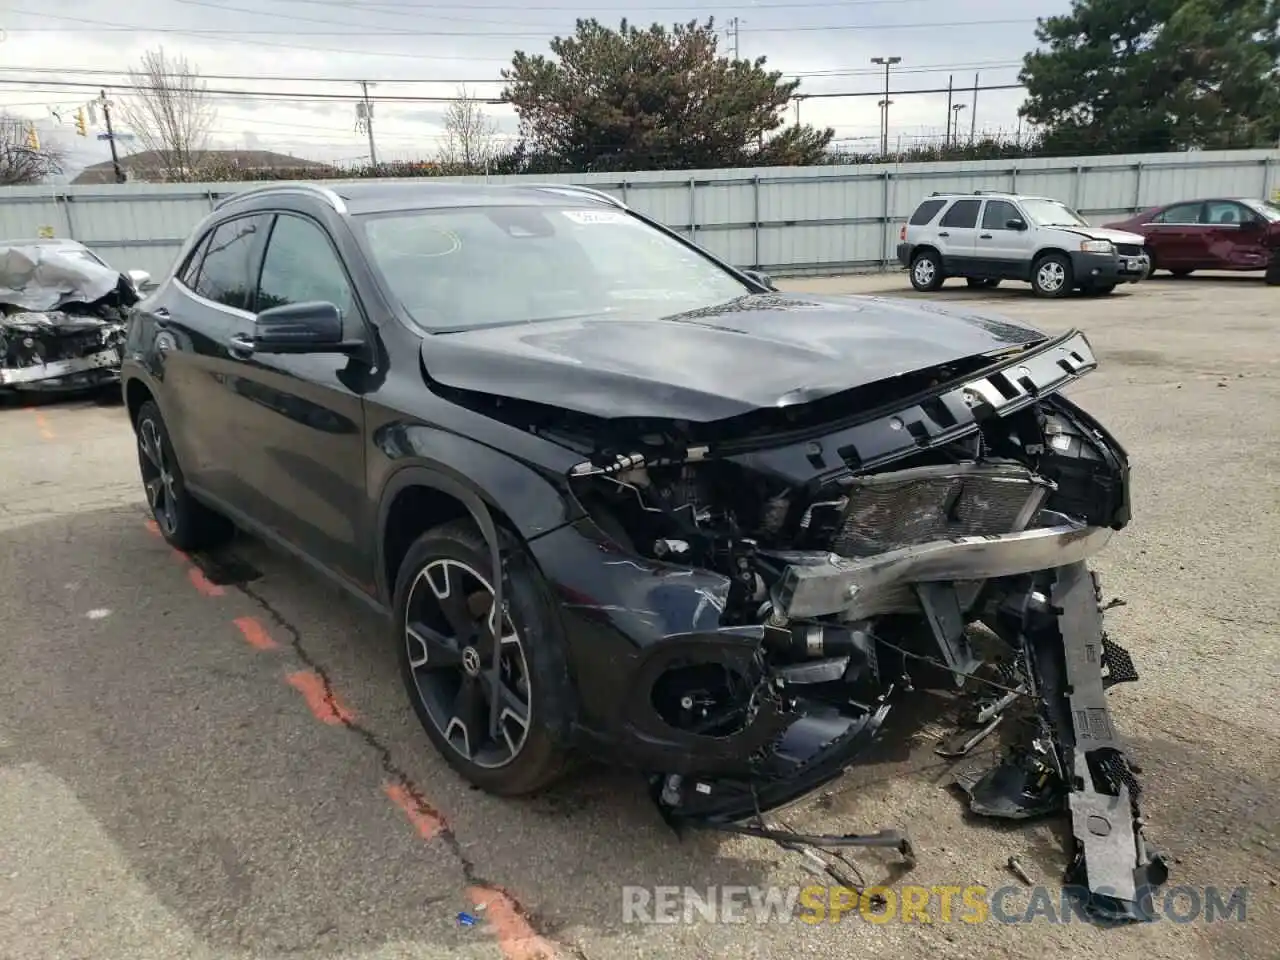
(989, 237)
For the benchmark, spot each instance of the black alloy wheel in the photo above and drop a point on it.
(450, 633)
(183, 521)
(492, 719)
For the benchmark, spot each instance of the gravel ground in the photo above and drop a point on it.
(173, 783)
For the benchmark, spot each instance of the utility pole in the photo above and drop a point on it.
(884, 139)
(947, 139)
(367, 116)
(111, 136)
(973, 112)
(732, 32)
(955, 127)
(884, 133)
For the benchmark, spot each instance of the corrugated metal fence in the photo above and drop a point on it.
(786, 220)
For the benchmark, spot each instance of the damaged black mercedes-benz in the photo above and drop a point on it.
(728, 529)
(62, 316)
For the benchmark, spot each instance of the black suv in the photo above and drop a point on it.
(620, 498)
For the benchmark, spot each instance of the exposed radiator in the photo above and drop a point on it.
(888, 511)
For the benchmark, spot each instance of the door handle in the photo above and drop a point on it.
(943, 233)
(160, 313)
(985, 236)
(240, 344)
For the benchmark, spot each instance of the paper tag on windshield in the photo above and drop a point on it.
(595, 216)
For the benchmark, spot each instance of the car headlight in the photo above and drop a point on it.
(1097, 246)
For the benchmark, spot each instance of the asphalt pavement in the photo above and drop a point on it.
(213, 757)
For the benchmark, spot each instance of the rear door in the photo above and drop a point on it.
(1174, 237)
(1001, 251)
(209, 302)
(1234, 236)
(958, 236)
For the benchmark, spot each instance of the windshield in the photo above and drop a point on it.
(1268, 211)
(462, 268)
(1052, 213)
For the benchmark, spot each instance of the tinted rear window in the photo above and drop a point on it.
(926, 212)
(963, 213)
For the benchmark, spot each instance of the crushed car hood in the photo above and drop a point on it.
(761, 351)
(44, 277)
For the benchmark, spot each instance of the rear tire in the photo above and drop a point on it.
(1052, 276)
(926, 271)
(184, 522)
(445, 654)
(1272, 277)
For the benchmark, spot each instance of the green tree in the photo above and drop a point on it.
(1122, 76)
(654, 98)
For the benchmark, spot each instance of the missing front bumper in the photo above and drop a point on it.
(819, 585)
(57, 370)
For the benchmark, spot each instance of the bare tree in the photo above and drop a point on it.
(170, 113)
(468, 135)
(20, 162)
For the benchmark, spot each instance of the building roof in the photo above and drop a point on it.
(150, 162)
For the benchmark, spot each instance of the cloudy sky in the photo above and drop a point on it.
(288, 80)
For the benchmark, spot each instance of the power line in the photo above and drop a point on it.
(614, 11)
(303, 96)
(816, 74)
(103, 26)
(502, 35)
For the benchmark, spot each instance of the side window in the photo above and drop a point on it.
(1180, 213)
(1228, 211)
(963, 213)
(926, 212)
(226, 275)
(191, 270)
(998, 213)
(301, 265)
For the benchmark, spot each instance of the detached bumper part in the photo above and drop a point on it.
(1075, 759)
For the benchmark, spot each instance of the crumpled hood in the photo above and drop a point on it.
(39, 277)
(761, 351)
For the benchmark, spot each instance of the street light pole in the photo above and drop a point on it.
(884, 132)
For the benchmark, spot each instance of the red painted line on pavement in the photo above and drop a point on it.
(202, 583)
(255, 634)
(426, 821)
(153, 528)
(42, 424)
(516, 938)
(323, 704)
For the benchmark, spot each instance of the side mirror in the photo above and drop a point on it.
(139, 279)
(1015, 224)
(760, 278)
(312, 327)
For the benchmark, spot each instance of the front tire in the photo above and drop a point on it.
(445, 636)
(184, 522)
(1052, 276)
(926, 271)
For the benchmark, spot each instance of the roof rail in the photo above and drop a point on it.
(311, 189)
(582, 191)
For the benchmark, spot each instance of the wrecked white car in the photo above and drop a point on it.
(62, 316)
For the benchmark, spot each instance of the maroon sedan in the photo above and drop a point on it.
(1223, 234)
